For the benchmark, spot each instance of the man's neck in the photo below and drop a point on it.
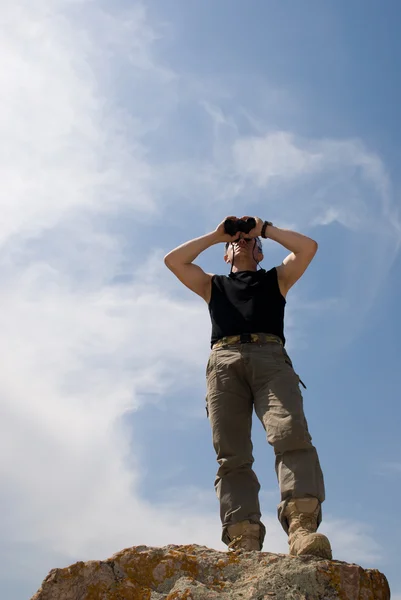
(244, 267)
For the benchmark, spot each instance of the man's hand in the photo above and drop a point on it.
(257, 230)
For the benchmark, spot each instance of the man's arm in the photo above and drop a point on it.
(302, 248)
(180, 260)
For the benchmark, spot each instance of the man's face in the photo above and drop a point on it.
(244, 247)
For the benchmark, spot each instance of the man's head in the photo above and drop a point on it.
(244, 253)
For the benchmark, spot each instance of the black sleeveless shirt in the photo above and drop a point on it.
(246, 302)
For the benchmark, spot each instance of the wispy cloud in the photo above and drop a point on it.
(77, 351)
(353, 542)
(389, 468)
(281, 156)
(63, 150)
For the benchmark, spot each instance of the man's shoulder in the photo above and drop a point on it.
(218, 278)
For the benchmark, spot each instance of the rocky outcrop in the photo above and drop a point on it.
(199, 573)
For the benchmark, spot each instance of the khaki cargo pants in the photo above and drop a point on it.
(241, 377)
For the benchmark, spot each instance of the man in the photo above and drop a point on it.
(248, 369)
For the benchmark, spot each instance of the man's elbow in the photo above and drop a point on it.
(168, 261)
(309, 248)
(312, 247)
(172, 263)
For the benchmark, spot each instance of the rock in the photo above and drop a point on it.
(199, 573)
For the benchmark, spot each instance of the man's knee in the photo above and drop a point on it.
(291, 436)
(234, 464)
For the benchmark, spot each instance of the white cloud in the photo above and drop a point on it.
(282, 157)
(63, 148)
(352, 542)
(77, 352)
(274, 155)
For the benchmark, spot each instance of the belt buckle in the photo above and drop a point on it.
(245, 338)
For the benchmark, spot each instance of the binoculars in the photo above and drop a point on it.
(232, 227)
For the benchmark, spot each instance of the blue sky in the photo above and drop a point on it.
(127, 129)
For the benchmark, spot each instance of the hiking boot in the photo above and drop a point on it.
(245, 536)
(302, 514)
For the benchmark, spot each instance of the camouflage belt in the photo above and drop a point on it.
(247, 338)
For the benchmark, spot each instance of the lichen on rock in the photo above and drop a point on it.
(199, 573)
